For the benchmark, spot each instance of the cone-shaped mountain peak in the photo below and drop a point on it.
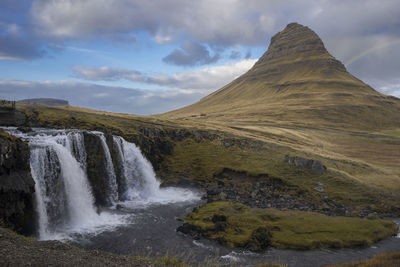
(296, 49)
(297, 81)
(294, 39)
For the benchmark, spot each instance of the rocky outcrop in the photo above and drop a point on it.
(157, 142)
(17, 186)
(315, 166)
(11, 117)
(264, 191)
(96, 168)
(260, 191)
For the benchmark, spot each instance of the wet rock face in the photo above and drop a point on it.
(315, 166)
(96, 168)
(17, 186)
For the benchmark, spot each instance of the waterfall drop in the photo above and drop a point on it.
(137, 173)
(65, 202)
(139, 180)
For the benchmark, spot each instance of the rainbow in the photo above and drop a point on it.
(369, 50)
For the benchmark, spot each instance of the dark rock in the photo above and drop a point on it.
(218, 218)
(264, 191)
(12, 118)
(17, 186)
(96, 169)
(315, 166)
(227, 143)
(196, 136)
(213, 191)
(188, 229)
(24, 129)
(260, 239)
(220, 226)
(372, 216)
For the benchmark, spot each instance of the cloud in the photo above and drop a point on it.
(191, 54)
(205, 79)
(248, 54)
(17, 47)
(17, 43)
(214, 22)
(221, 22)
(109, 98)
(391, 89)
(210, 24)
(235, 54)
(103, 73)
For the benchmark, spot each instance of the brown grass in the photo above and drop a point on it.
(383, 260)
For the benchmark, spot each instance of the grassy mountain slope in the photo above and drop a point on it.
(297, 82)
(299, 96)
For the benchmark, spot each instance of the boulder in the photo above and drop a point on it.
(315, 166)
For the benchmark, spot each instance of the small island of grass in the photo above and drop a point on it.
(237, 225)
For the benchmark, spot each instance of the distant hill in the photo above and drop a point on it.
(297, 82)
(45, 101)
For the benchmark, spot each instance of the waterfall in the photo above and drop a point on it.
(138, 177)
(141, 186)
(63, 194)
(65, 202)
(64, 199)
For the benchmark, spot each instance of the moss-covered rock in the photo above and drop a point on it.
(256, 228)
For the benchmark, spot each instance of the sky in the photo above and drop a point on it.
(149, 57)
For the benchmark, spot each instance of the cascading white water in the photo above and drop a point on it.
(75, 143)
(40, 163)
(139, 179)
(112, 179)
(63, 194)
(64, 199)
(137, 173)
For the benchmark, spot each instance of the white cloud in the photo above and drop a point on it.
(225, 22)
(102, 73)
(205, 79)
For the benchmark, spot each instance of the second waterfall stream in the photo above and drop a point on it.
(65, 201)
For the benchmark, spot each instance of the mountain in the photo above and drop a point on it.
(45, 101)
(297, 82)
